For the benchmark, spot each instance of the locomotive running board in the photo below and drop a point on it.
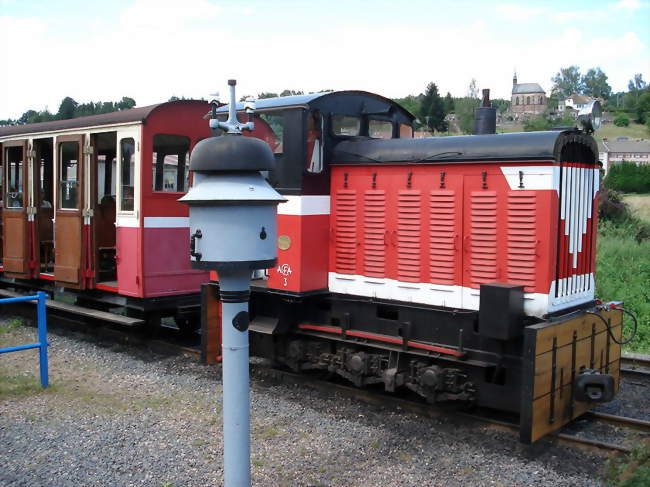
(556, 352)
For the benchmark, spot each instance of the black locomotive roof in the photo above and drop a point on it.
(350, 101)
(496, 147)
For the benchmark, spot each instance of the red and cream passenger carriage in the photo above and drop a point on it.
(90, 204)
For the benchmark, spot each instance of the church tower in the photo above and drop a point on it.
(514, 80)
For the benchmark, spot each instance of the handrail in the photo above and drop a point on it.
(42, 344)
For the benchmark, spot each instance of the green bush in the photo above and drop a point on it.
(629, 178)
(537, 124)
(622, 121)
(623, 273)
(612, 207)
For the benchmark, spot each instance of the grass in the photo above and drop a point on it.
(509, 128)
(639, 205)
(634, 131)
(624, 274)
(9, 325)
(19, 385)
(632, 471)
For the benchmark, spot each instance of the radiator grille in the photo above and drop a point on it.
(575, 240)
(374, 233)
(522, 239)
(483, 235)
(442, 256)
(409, 225)
(346, 232)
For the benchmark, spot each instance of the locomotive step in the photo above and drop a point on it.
(81, 311)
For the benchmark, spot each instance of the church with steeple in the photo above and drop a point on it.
(528, 99)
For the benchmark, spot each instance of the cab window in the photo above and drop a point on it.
(170, 163)
(346, 125)
(380, 129)
(269, 127)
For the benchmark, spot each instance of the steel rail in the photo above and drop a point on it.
(621, 421)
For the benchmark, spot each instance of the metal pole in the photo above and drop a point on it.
(42, 337)
(234, 293)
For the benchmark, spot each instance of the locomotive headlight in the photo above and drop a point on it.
(590, 116)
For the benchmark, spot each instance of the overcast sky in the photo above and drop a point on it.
(153, 49)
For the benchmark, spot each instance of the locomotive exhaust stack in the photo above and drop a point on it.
(485, 116)
(233, 227)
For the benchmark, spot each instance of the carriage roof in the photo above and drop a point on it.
(138, 114)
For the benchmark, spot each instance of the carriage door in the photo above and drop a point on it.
(14, 215)
(69, 252)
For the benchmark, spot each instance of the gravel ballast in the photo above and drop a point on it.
(117, 416)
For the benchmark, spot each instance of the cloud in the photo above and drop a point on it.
(628, 4)
(158, 49)
(166, 14)
(516, 11)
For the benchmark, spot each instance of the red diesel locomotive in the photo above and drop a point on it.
(460, 268)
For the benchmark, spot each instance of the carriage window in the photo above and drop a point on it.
(271, 130)
(69, 175)
(171, 155)
(346, 125)
(405, 131)
(127, 176)
(106, 177)
(14, 164)
(380, 129)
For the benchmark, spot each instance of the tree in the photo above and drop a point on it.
(67, 109)
(642, 108)
(411, 103)
(291, 93)
(501, 105)
(465, 109)
(567, 82)
(125, 103)
(595, 84)
(432, 109)
(636, 84)
(266, 94)
(28, 117)
(449, 103)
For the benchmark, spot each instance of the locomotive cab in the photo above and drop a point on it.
(302, 131)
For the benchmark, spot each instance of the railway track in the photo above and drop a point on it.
(489, 420)
(167, 341)
(635, 364)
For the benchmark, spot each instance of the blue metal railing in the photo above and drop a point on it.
(42, 344)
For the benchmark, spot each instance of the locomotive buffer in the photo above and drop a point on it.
(233, 231)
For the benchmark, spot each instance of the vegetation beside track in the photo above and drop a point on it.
(632, 470)
(624, 267)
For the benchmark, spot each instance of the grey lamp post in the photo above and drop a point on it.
(233, 231)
